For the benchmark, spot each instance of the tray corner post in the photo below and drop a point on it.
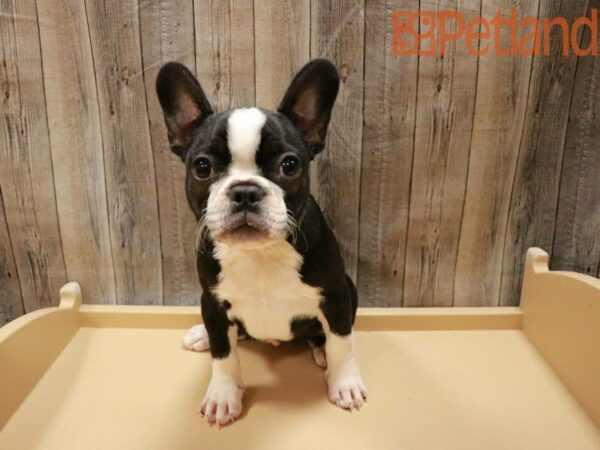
(536, 260)
(70, 296)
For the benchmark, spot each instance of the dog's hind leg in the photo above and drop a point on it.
(317, 346)
(196, 338)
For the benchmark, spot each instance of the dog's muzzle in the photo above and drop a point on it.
(245, 217)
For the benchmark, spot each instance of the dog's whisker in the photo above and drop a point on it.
(293, 228)
(202, 231)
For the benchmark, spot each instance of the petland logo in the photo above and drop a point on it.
(427, 33)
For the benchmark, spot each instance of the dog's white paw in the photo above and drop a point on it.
(196, 338)
(318, 354)
(222, 403)
(346, 389)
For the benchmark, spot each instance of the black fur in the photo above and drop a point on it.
(184, 105)
(214, 315)
(307, 328)
(299, 128)
(321, 78)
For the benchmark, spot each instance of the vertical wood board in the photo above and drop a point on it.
(387, 151)
(338, 33)
(11, 300)
(167, 34)
(76, 147)
(501, 101)
(576, 243)
(26, 177)
(445, 107)
(534, 196)
(281, 47)
(130, 173)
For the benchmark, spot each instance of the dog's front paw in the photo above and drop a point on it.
(346, 388)
(222, 403)
(196, 338)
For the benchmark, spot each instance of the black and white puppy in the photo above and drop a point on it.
(269, 266)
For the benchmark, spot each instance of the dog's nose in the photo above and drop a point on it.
(244, 196)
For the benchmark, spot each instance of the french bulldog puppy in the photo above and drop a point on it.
(269, 266)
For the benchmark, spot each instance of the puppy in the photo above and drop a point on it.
(269, 266)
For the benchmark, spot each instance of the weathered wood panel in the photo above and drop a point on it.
(439, 172)
(11, 300)
(338, 34)
(534, 198)
(225, 52)
(577, 240)
(388, 137)
(26, 178)
(282, 46)
(167, 34)
(76, 147)
(501, 100)
(445, 107)
(130, 177)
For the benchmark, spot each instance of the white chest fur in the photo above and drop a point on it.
(263, 285)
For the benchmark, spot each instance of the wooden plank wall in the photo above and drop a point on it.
(167, 34)
(439, 171)
(26, 176)
(577, 233)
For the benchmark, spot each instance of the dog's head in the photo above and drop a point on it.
(247, 169)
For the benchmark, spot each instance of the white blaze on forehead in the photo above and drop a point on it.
(244, 126)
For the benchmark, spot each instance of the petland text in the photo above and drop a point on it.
(427, 33)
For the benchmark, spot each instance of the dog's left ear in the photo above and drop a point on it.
(309, 100)
(184, 105)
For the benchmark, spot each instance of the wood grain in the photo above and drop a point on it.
(225, 51)
(130, 177)
(76, 147)
(576, 243)
(534, 198)
(11, 300)
(282, 46)
(438, 172)
(387, 153)
(338, 33)
(501, 100)
(167, 34)
(445, 106)
(26, 178)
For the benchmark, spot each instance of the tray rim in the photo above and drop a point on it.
(368, 318)
(559, 314)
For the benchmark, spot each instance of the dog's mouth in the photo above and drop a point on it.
(245, 226)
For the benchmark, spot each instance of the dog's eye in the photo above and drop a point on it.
(202, 168)
(290, 166)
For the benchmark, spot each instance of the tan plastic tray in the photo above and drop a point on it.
(116, 377)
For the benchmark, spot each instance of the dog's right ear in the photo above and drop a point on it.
(309, 100)
(183, 103)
